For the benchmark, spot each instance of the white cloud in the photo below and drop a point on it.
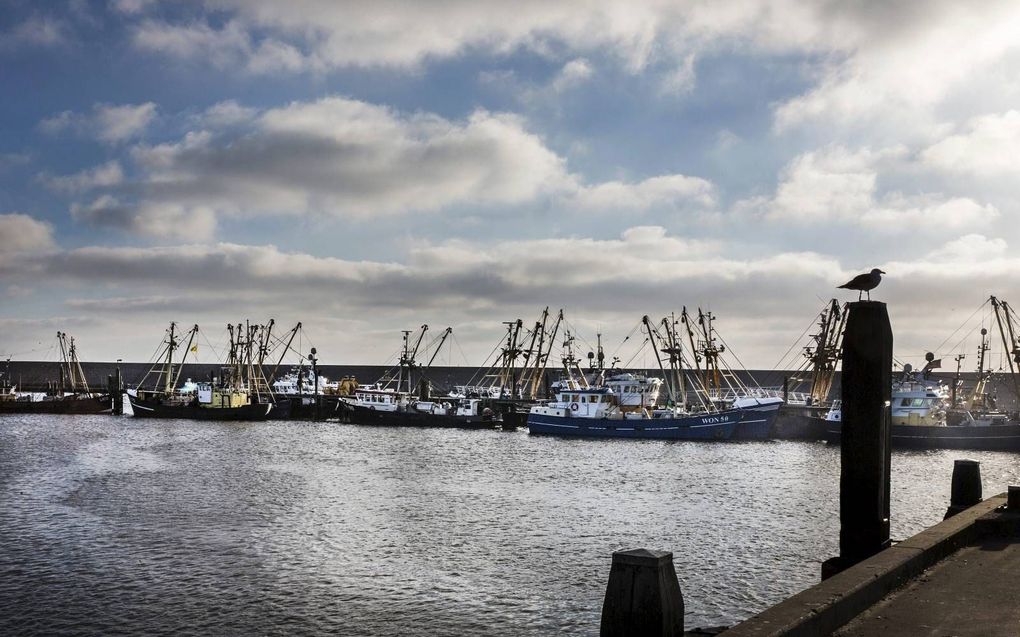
(332, 157)
(574, 72)
(156, 220)
(839, 185)
(22, 233)
(104, 175)
(970, 248)
(664, 190)
(108, 123)
(225, 114)
(131, 6)
(895, 74)
(405, 33)
(339, 157)
(988, 148)
(119, 123)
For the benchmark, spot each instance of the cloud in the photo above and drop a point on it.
(332, 157)
(228, 47)
(989, 147)
(36, 31)
(763, 301)
(22, 233)
(131, 6)
(897, 68)
(970, 248)
(836, 184)
(104, 175)
(165, 221)
(320, 34)
(106, 122)
(664, 190)
(574, 72)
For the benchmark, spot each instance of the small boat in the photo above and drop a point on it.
(226, 397)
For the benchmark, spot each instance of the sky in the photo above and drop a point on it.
(367, 167)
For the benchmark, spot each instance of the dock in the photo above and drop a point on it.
(959, 577)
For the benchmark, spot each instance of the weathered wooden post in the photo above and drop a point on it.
(643, 596)
(1013, 498)
(115, 388)
(865, 438)
(966, 488)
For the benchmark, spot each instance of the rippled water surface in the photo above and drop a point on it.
(120, 525)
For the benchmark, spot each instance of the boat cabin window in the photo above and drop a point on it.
(904, 402)
(584, 399)
(917, 402)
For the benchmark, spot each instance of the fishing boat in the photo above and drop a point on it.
(918, 412)
(391, 401)
(71, 394)
(611, 403)
(814, 363)
(596, 413)
(223, 397)
(510, 381)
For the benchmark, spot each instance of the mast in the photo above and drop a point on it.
(675, 351)
(168, 370)
(827, 350)
(543, 354)
(1002, 317)
(710, 351)
(286, 349)
(439, 346)
(65, 364)
(191, 339)
(685, 318)
(658, 359)
(570, 362)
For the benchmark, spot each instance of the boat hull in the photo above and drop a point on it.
(150, 409)
(989, 438)
(365, 416)
(757, 423)
(303, 407)
(98, 405)
(716, 426)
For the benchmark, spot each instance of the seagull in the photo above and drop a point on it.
(864, 282)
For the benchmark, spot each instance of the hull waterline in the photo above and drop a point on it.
(716, 426)
(151, 409)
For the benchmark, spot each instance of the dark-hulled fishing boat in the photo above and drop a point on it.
(226, 397)
(70, 395)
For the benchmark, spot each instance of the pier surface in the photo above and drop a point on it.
(972, 592)
(958, 578)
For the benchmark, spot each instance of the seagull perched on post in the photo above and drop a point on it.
(864, 282)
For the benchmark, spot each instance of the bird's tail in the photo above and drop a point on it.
(845, 286)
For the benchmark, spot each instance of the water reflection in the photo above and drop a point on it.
(197, 528)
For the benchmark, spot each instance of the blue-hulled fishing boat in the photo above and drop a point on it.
(596, 413)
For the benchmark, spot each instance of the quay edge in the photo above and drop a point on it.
(826, 607)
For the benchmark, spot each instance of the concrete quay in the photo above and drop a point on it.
(958, 577)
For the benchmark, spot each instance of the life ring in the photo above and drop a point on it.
(574, 407)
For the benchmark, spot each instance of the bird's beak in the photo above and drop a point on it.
(881, 271)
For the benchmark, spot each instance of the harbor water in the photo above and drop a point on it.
(114, 525)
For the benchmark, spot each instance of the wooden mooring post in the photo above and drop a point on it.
(643, 597)
(865, 438)
(965, 491)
